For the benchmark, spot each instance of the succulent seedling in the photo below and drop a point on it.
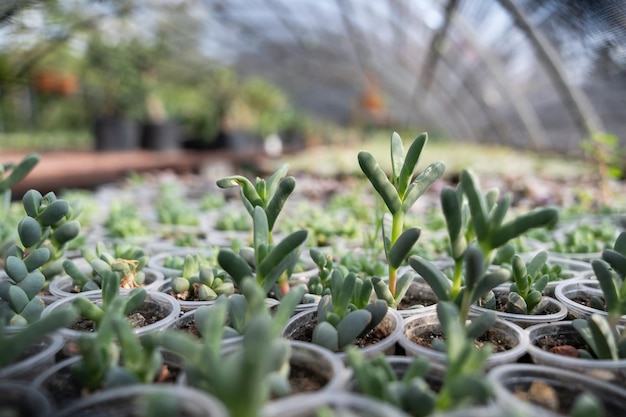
(399, 192)
(347, 312)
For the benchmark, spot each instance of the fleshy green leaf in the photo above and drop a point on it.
(421, 183)
(379, 180)
(401, 249)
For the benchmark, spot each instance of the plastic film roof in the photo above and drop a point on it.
(539, 74)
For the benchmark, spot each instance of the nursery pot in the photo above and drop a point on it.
(21, 400)
(399, 365)
(419, 298)
(164, 307)
(427, 324)
(116, 133)
(63, 390)
(312, 368)
(575, 293)
(341, 404)
(555, 311)
(132, 400)
(300, 327)
(548, 338)
(34, 360)
(63, 286)
(556, 393)
(160, 136)
(186, 322)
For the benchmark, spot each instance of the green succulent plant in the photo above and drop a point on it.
(399, 192)
(270, 195)
(585, 238)
(197, 283)
(43, 234)
(488, 213)
(611, 274)
(477, 220)
(110, 292)
(58, 226)
(115, 355)
(479, 283)
(126, 260)
(529, 281)
(267, 197)
(601, 333)
(463, 381)
(10, 175)
(124, 221)
(605, 341)
(267, 262)
(174, 211)
(245, 375)
(347, 312)
(319, 283)
(206, 259)
(249, 303)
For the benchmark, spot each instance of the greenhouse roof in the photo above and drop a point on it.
(539, 74)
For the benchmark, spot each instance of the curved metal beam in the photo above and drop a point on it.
(575, 100)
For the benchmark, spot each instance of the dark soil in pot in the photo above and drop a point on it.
(64, 390)
(146, 314)
(304, 379)
(434, 332)
(417, 295)
(32, 350)
(564, 343)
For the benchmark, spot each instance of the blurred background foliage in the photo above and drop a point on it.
(60, 75)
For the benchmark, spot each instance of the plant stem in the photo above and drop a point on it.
(456, 278)
(396, 230)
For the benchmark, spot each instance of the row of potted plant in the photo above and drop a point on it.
(257, 320)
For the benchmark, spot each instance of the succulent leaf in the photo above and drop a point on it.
(236, 267)
(31, 202)
(54, 212)
(37, 258)
(476, 203)
(29, 231)
(379, 180)
(326, 335)
(15, 268)
(32, 284)
(275, 205)
(421, 183)
(351, 326)
(522, 224)
(402, 247)
(438, 282)
(20, 171)
(397, 160)
(17, 298)
(67, 231)
(410, 162)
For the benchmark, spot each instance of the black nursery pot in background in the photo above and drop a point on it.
(116, 133)
(160, 136)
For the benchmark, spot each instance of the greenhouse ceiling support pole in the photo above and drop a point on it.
(526, 113)
(578, 105)
(434, 51)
